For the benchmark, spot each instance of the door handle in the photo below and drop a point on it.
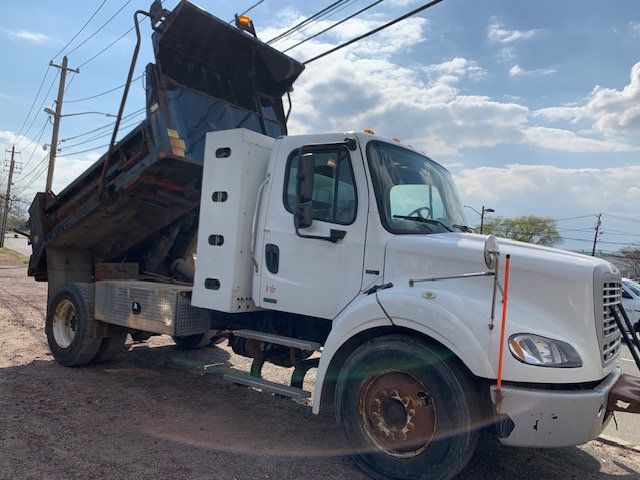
(272, 257)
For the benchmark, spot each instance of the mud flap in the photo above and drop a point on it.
(625, 395)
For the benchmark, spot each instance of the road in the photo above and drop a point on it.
(152, 415)
(17, 244)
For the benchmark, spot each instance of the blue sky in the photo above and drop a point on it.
(533, 106)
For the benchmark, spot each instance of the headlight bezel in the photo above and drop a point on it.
(526, 348)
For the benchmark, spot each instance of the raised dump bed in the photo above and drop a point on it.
(207, 76)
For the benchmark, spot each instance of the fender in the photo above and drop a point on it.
(363, 313)
(402, 308)
(441, 320)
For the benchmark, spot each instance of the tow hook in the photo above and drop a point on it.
(625, 395)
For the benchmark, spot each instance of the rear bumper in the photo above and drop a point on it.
(530, 417)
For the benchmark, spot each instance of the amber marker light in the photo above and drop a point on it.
(369, 131)
(245, 23)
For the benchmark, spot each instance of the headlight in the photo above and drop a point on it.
(544, 352)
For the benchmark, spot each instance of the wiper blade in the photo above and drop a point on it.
(464, 228)
(424, 220)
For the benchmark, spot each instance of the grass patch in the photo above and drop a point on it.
(15, 256)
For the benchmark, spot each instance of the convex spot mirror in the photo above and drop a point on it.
(491, 252)
(304, 191)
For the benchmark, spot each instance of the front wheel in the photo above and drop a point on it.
(406, 411)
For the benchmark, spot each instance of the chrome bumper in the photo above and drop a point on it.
(530, 417)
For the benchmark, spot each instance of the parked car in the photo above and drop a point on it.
(631, 301)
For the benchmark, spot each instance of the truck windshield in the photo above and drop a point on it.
(414, 194)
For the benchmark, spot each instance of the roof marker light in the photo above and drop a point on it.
(369, 131)
(245, 23)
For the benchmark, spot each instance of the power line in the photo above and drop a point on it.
(84, 151)
(304, 22)
(636, 220)
(80, 31)
(107, 47)
(99, 29)
(249, 9)
(362, 10)
(35, 147)
(102, 135)
(46, 120)
(103, 93)
(375, 30)
(44, 100)
(326, 16)
(44, 165)
(43, 161)
(35, 99)
(132, 114)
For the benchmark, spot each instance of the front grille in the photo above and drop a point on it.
(611, 338)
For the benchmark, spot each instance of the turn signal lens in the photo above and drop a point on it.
(544, 352)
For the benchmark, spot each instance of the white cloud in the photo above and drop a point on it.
(506, 54)
(613, 112)
(455, 69)
(518, 71)
(558, 139)
(549, 190)
(34, 160)
(496, 32)
(635, 29)
(423, 105)
(32, 37)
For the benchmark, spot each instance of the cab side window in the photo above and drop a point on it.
(334, 191)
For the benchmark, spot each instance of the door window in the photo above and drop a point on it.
(334, 191)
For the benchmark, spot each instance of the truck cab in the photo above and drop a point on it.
(340, 228)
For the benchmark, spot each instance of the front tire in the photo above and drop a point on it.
(69, 325)
(407, 412)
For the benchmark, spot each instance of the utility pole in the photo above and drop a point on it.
(595, 238)
(56, 119)
(7, 199)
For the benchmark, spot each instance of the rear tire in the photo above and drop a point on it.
(69, 325)
(407, 412)
(192, 342)
(110, 348)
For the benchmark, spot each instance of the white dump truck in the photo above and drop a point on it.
(342, 252)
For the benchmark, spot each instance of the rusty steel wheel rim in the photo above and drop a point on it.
(397, 413)
(64, 323)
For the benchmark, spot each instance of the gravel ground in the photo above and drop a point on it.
(152, 415)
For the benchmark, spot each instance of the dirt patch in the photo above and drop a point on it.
(152, 414)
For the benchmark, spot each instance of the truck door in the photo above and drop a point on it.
(305, 275)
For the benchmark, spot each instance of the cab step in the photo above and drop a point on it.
(266, 385)
(278, 340)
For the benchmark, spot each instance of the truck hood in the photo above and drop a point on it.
(552, 293)
(464, 251)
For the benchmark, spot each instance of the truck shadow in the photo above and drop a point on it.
(153, 414)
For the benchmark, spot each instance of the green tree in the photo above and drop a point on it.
(527, 228)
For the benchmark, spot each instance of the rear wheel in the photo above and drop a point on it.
(192, 342)
(69, 325)
(406, 411)
(110, 347)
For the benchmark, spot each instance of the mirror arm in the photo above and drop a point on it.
(333, 237)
